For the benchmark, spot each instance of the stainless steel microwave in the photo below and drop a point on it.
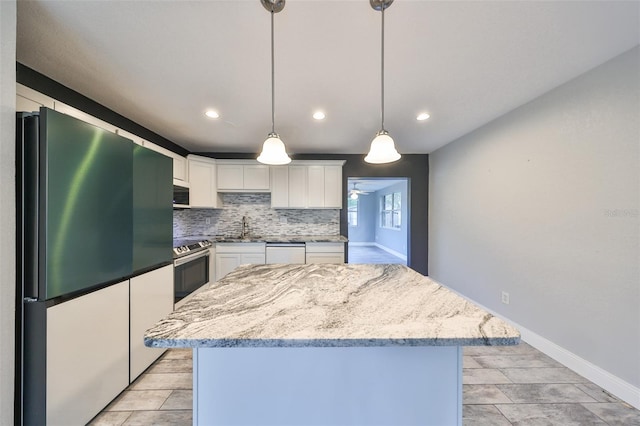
(180, 197)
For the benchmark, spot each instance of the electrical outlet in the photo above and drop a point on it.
(505, 297)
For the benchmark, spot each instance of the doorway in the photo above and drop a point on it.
(378, 218)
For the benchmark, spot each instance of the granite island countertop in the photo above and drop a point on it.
(328, 305)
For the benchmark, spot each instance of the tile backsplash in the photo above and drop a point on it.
(263, 220)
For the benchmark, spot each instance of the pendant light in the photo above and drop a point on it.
(382, 148)
(273, 150)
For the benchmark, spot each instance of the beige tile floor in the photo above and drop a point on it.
(513, 385)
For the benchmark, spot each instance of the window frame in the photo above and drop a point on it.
(352, 211)
(391, 215)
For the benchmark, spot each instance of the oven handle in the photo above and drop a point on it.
(190, 257)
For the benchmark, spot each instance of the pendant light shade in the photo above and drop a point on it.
(382, 149)
(273, 149)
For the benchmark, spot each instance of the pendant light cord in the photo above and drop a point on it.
(273, 96)
(382, 72)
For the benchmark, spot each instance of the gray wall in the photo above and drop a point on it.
(390, 238)
(543, 203)
(7, 206)
(365, 232)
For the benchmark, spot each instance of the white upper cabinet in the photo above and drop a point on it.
(256, 177)
(307, 185)
(298, 192)
(280, 186)
(315, 187)
(203, 191)
(242, 176)
(230, 176)
(333, 187)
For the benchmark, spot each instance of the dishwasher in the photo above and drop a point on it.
(285, 252)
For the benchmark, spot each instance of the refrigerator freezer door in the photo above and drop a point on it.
(88, 360)
(86, 208)
(152, 208)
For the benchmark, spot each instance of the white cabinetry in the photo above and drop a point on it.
(297, 187)
(231, 255)
(307, 185)
(315, 187)
(325, 252)
(29, 100)
(87, 354)
(242, 176)
(333, 187)
(203, 191)
(26, 105)
(280, 186)
(80, 115)
(151, 300)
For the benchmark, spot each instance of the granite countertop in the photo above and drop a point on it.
(281, 239)
(328, 305)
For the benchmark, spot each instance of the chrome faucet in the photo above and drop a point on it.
(245, 227)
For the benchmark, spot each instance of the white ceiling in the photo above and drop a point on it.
(162, 63)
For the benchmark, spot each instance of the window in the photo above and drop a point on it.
(390, 211)
(352, 212)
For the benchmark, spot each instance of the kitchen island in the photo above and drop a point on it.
(323, 344)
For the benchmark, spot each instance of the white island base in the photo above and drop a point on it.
(388, 385)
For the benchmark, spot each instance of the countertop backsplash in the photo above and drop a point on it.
(263, 220)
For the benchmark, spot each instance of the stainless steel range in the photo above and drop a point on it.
(184, 247)
(191, 267)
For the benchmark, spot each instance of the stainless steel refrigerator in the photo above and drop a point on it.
(93, 209)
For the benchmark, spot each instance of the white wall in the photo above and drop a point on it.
(544, 203)
(7, 206)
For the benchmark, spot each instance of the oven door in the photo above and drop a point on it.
(191, 272)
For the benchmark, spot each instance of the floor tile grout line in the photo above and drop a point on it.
(596, 414)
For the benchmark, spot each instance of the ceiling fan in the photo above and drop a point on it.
(355, 192)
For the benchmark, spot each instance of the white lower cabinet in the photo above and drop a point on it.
(325, 253)
(231, 255)
(151, 300)
(87, 354)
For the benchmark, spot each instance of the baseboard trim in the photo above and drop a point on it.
(393, 252)
(361, 244)
(607, 381)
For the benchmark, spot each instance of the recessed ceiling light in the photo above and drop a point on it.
(212, 114)
(422, 116)
(319, 115)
